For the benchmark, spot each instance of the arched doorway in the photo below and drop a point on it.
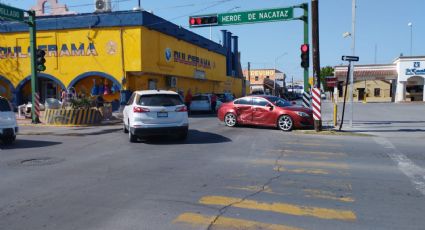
(415, 88)
(48, 87)
(98, 83)
(7, 90)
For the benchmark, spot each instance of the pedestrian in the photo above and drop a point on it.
(213, 102)
(188, 100)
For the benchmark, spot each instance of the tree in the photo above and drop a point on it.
(327, 71)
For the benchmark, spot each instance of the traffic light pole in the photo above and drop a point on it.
(316, 55)
(305, 19)
(33, 47)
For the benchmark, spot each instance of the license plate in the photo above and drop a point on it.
(162, 114)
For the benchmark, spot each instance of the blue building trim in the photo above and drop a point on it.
(94, 73)
(40, 75)
(115, 19)
(12, 88)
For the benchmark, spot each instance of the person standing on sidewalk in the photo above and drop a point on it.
(188, 100)
(213, 102)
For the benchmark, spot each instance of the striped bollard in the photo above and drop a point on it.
(306, 99)
(317, 113)
(37, 106)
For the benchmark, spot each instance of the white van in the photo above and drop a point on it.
(8, 125)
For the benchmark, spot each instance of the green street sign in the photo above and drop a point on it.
(266, 15)
(12, 13)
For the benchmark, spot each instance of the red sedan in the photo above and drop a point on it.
(265, 111)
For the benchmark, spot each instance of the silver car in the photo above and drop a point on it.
(155, 112)
(8, 125)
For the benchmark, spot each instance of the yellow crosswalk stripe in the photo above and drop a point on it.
(197, 220)
(305, 152)
(314, 144)
(283, 208)
(327, 195)
(302, 170)
(319, 164)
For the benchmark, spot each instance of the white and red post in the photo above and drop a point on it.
(37, 104)
(317, 104)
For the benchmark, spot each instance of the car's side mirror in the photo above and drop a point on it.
(270, 107)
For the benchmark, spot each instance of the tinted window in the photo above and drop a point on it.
(279, 101)
(243, 101)
(130, 101)
(4, 105)
(259, 102)
(160, 100)
(200, 98)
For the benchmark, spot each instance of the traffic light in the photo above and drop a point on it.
(305, 56)
(40, 60)
(199, 21)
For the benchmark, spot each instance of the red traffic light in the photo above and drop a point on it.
(199, 21)
(304, 48)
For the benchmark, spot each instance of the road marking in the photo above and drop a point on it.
(266, 189)
(319, 164)
(283, 208)
(313, 144)
(415, 173)
(327, 195)
(301, 171)
(197, 220)
(329, 154)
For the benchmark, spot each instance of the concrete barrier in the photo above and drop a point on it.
(72, 116)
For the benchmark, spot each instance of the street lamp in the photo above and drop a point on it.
(411, 37)
(275, 64)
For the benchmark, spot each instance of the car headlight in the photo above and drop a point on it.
(302, 114)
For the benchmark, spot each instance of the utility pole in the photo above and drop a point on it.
(34, 78)
(316, 53)
(353, 53)
(249, 76)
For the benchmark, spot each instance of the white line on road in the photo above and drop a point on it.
(415, 173)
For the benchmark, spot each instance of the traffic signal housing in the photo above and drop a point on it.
(305, 56)
(200, 21)
(40, 60)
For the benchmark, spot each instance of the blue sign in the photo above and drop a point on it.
(168, 54)
(415, 70)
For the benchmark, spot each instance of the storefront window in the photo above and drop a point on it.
(256, 78)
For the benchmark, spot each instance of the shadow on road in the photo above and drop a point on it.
(194, 137)
(202, 115)
(26, 144)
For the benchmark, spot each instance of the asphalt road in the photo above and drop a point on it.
(220, 178)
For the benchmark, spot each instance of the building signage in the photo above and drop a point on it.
(416, 70)
(11, 13)
(64, 50)
(189, 59)
(256, 16)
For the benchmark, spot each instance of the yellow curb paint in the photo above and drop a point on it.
(283, 208)
(302, 171)
(319, 164)
(326, 195)
(197, 220)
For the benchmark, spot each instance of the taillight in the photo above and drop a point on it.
(140, 110)
(181, 109)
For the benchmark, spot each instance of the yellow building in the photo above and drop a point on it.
(113, 54)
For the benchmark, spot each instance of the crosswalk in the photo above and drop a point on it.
(330, 196)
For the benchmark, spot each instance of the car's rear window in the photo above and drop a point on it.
(4, 105)
(200, 98)
(160, 100)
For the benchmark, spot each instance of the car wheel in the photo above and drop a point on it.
(124, 128)
(230, 120)
(285, 123)
(9, 140)
(131, 137)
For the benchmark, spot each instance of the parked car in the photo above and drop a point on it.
(8, 125)
(265, 110)
(155, 112)
(223, 98)
(201, 103)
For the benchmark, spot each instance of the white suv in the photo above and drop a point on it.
(155, 112)
(8, 125)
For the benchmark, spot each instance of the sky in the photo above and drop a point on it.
(381, 33)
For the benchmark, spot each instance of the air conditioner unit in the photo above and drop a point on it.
(103, 5)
